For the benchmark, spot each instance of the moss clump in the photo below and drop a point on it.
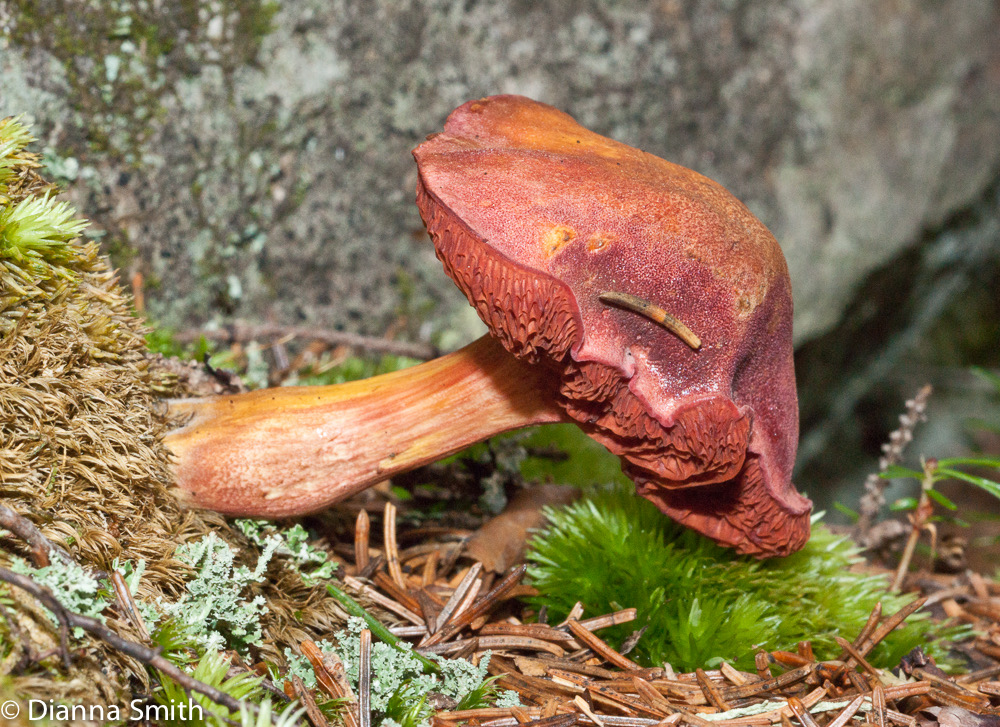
(703, 603)
(81, 451)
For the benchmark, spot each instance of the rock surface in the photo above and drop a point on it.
(252, 159)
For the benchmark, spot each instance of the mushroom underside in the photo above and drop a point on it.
(695, 470)
(743, 513)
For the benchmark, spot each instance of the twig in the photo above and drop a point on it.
(14, 629)
(151, 657)
(610, 619)
(856, 655)
(242, 332)
(878, 704)
(778, 682)
(391, 547)
(309, 702)
(873, 618)
(332, 679)
(456, 597)
(127, 605)
(365, 680)
(849, 711)
(597, 645)
(582, 705)
(890, 624)
(801, 713)
(384, 601)
(918, 521)
(710, 690)
(480, 607)
(40, 546)
(362, 529)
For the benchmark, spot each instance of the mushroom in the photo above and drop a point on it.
(629, 295)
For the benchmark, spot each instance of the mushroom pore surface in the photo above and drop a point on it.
(535, 217)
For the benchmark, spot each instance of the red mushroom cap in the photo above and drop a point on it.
(535, 217)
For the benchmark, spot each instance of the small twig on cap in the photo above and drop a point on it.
(654, 313)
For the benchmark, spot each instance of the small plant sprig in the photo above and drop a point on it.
(922, 508)
(892, 452)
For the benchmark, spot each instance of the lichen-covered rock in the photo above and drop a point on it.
(251, 158)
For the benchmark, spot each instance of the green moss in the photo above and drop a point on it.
(562, 453)
(703, 603)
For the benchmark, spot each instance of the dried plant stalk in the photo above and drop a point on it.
(873, 500)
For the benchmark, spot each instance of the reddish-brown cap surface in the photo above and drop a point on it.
(535, 217)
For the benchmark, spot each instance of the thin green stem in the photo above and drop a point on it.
(378, 628)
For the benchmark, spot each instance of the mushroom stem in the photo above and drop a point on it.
(291, 451)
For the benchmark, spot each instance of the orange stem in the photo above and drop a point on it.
(291, 451)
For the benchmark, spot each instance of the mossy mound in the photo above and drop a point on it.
(81, 454)
(702, 604)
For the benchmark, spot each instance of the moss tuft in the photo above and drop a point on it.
(703, 603)
(81, 451)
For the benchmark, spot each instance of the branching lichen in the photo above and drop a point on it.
(214, 607)
(72, 586)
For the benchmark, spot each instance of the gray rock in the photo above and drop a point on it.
(252, 161)
(256, 163)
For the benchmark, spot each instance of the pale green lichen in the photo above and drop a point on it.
(399, 684)
(75, 589)
(294, 543)
(214, 607)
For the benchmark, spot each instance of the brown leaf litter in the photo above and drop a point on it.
(565, 674)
